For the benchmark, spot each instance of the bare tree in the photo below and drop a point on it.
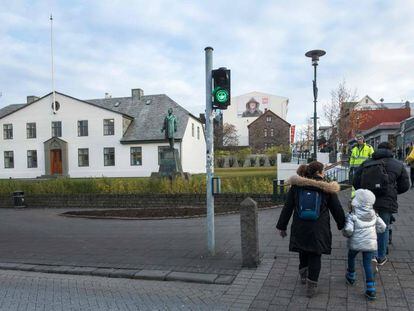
(230, 137)
(338, 116)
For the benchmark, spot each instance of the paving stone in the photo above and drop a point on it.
(9, 266)
(83, 270)
(123, 273)
(224, 279)
(191, 277)
(102, 272)
(152, 274)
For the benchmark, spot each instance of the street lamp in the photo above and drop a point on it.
(315, 54)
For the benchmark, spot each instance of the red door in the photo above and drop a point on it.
(55, 161)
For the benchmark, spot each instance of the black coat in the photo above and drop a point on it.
(398, 181)
(312, 235)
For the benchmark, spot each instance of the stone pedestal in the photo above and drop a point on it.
(170, 165)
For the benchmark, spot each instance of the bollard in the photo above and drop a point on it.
(249, 233)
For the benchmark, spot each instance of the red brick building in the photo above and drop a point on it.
(268, 130)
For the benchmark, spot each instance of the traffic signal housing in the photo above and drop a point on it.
(221, 88)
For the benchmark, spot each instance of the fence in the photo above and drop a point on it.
(301, 157)
(338, 172)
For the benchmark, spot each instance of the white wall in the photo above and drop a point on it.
(278, 104)
(323, 157)
(72, 110)
(193, 153)
(285, 170)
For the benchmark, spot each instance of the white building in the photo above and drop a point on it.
(113, 137)
(239, 115)
(367, 103)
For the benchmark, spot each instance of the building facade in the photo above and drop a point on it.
(112, 137)
(267, 131)
(246, 108)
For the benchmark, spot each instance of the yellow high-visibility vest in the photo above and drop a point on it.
(359, 154)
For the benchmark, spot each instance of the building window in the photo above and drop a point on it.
(272, 132)
(109, 156)
(8, 131)
(83, 128)
(8, 159)
(56, 129)
(31, 158)
(136, 156)
(192, 129)
(83, 157)
(31, 130)
(269, 119)
(265, 132)
(109, 128)
(198, 132)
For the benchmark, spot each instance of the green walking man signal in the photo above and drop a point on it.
(221, 88)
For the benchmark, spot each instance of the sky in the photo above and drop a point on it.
(113, 46)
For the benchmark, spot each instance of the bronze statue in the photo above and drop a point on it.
(170, 127)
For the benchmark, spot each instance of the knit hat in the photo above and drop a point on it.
(363, 197)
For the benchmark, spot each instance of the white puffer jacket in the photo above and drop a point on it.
(362, 224)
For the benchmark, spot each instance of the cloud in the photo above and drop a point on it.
(113, 46)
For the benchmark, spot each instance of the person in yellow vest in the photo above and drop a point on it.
(361, 152)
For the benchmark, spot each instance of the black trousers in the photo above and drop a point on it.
(313, 262)
(412, 176)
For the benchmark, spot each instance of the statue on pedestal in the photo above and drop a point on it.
(170, 127)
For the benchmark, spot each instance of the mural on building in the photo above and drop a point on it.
(252, 108)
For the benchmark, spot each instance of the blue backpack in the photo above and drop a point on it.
(309, 205)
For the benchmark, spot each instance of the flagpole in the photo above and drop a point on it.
(53, 67)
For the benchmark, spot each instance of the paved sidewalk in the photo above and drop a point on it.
(273, 286)
(282, 289)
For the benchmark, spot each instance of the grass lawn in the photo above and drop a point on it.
(246, 171)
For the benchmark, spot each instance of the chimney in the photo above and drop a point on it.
(137, 94)
(107, 96)
(31, 98)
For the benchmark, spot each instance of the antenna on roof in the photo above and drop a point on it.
(53, 68)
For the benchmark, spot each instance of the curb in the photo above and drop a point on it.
(137, 274)
(159, 218)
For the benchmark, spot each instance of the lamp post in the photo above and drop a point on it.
(315, 54)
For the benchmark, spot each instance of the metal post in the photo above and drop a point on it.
(315, 97)
(209, 151)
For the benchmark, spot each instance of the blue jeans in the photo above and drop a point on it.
(366, 261)
(383, 238)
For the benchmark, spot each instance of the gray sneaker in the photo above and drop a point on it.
(382, 261)
(311, 288)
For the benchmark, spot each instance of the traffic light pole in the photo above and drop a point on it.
(209, 151)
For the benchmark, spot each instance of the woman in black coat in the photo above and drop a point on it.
(311, 238)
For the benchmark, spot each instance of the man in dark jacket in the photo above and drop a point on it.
(386, 202)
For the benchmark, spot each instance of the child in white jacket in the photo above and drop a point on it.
(361, 227)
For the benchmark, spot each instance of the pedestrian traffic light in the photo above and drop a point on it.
(221, 88)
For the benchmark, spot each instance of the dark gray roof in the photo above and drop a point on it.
(13, 108)
(149, 113)
(9, 109)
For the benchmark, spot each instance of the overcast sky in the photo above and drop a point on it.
(113, 46)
